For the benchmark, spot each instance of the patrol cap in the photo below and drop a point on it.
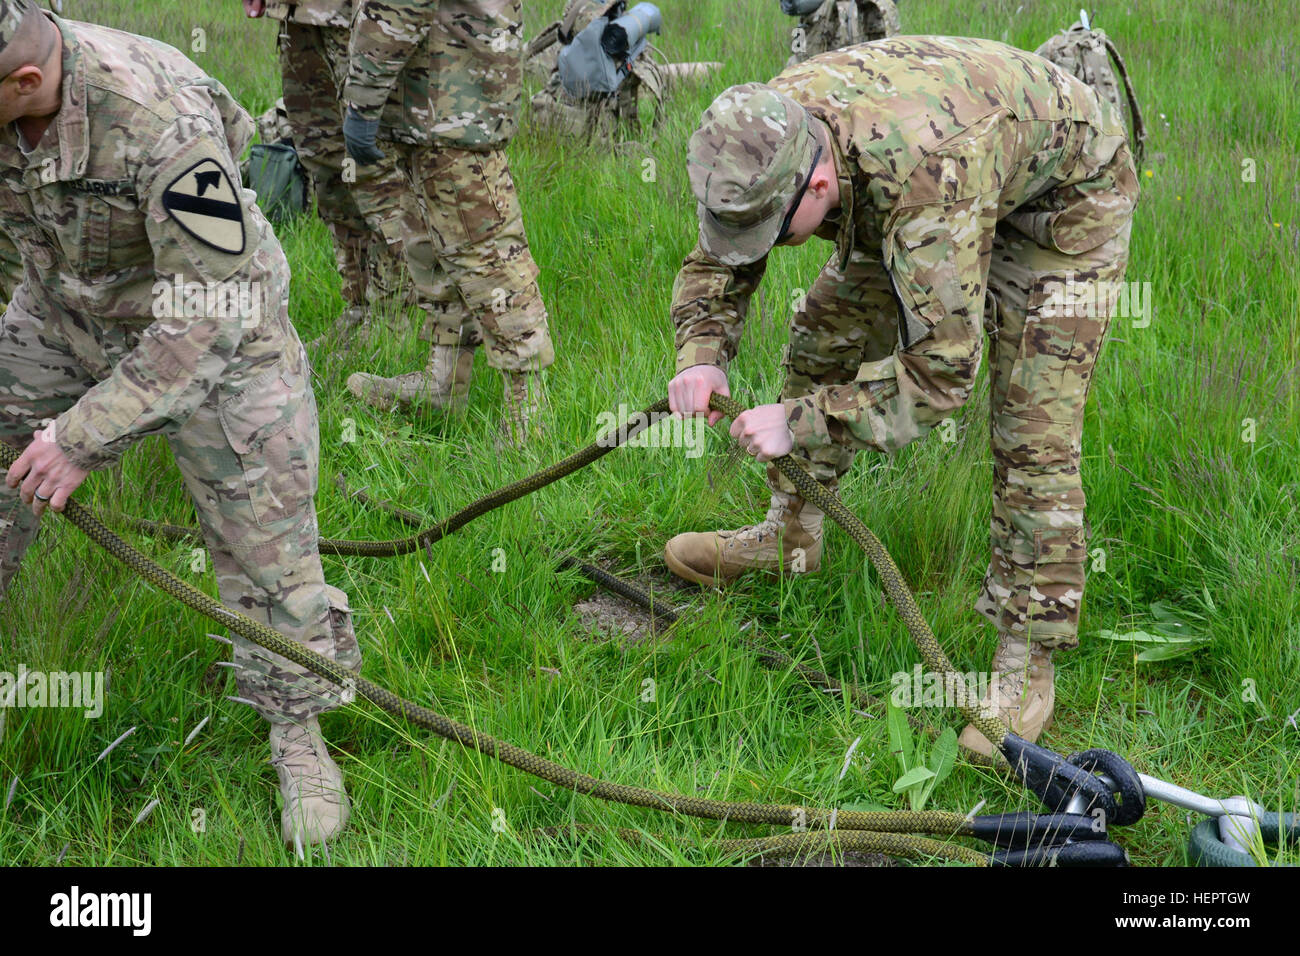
(12, 15)
(746, 162)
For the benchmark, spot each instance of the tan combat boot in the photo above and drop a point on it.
(525, 401)
(444, 382)
(311, 784)
(789, 539)
(1022, 693)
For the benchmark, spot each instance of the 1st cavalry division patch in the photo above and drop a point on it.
(206, 205)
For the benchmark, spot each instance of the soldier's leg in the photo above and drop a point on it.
(449, 327)
(1041, 365)
(40, 378)
(847, 319)
(380, 193)
(1046, 315)
(477, 232)
(311, 101)
(476, 227)
(249, 460)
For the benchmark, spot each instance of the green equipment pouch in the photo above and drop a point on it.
(280, 180)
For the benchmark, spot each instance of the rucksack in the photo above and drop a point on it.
(1086, 53)
(280, 180)
(592, 62)
(833, 24)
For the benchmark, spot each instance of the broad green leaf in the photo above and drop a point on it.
(1146, 637)
(1163, 612)
(941, 760)
(912, 778)
(900, 736)
(1170, 651)
(944, 754)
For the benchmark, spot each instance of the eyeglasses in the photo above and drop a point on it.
(784, 234)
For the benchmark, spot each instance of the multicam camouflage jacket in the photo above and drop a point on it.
(125, 206)
(438, 71)
(935, 140)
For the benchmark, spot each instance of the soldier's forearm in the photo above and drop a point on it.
(710, 302)
(155, 389)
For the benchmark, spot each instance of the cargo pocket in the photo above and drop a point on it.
(1055, 583)
(481, 199)
(1046, 560)
(346, 650)
(101, 223)
(272, 427)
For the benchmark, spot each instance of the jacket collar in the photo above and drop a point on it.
(846, 233)
(67, 141)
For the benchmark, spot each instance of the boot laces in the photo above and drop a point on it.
(301, 754)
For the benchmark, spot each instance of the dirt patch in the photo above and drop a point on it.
(606, 616)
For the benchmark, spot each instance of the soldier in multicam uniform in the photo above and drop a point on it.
(440, 82)
(826, 25)
(598, 114)
(965, 184)
(118, 186)
(363, 208)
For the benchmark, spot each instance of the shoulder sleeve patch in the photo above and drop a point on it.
(205, 204)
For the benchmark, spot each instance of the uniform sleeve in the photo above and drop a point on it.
(11, 267)
(201, 231)
(710, 302)
(937, 245)
(385, 34)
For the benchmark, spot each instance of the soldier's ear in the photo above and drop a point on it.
(823, 178)
(27, 79)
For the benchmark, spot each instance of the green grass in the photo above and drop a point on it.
(1187, 512)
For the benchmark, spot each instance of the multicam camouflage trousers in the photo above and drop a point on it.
(249, 460)
(1040, 365)
(469, 256)
(362, 205)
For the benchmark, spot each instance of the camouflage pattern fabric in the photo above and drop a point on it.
(981, 176)
(312, 13)
(464, 235)
(273, 125)
(840, 23)
(363, 206)
(154, 301)
(11, 267)
(1087, 54)
(438, 71)
(470, 259)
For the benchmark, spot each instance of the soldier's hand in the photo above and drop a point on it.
(763, 432)
(254, 8)
(48, 478)
(359, 136)
(688, 393)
